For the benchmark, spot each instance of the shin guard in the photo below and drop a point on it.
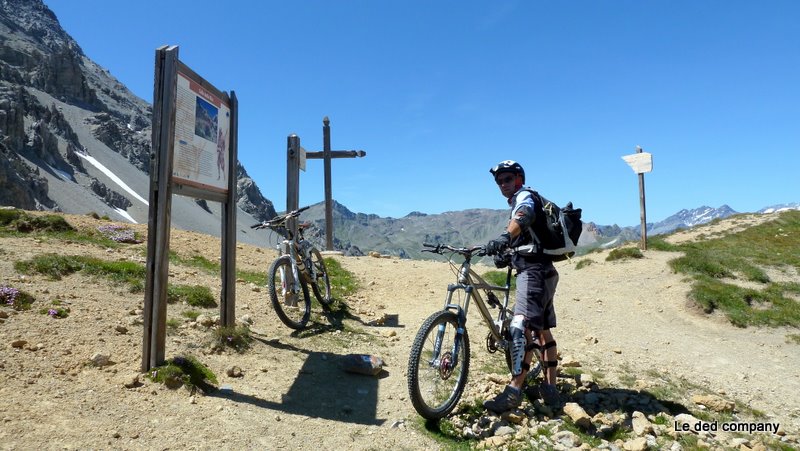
(517, 344)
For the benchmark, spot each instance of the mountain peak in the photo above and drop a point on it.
(689, 218)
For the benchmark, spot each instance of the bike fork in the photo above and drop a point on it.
(290, 287)
(451, 359)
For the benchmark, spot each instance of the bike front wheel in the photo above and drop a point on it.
(438, 366)
(292, 306)
(322, 286)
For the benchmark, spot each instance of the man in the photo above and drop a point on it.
(534, 314)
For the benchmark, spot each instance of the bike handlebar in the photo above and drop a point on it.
(279, 220)
(465, 251)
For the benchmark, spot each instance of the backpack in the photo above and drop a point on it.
(555, 231)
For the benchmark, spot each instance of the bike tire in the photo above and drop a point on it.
(436, 387)
(291, 310)
(322, 286)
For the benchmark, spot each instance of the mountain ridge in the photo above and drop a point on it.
(357, 233)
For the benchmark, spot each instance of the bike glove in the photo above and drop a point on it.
(498, 244)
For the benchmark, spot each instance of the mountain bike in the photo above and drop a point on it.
(439, 360)
(300, 264)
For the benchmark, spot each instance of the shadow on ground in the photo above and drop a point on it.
(321, 389)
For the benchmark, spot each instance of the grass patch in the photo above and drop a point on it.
(234, 337)
(624, 253)
(196, 261)
(583, 263)
(191, 314)
(193, 295)
(793, 338)
(56, 311)
(258, 278)
(21, 221)
(185, 371)
(659, 243)
(56, 266)
(173, 324)
(214, 268)
(53, 266)
(499, 278)
(15, 223)
(343, 282)
(744, 255)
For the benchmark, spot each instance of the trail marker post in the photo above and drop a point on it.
(641, 162)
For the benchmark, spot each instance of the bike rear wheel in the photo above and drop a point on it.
(322, 286)
(438, 366)
(294, 309)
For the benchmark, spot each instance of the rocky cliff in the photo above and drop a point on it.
(66, 123)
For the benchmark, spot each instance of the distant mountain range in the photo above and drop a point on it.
(75, 139)
(359, 233)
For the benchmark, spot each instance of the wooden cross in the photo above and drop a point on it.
(296, 157)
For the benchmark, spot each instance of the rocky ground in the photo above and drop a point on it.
(637, 361)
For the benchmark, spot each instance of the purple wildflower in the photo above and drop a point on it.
(118, 233)
(8, 294)
(52, 312)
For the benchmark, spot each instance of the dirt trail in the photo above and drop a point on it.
(614, 317)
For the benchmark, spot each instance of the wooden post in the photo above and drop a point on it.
(292, 179)
(326, 152)
(641, 162)
(643, 213)
(159, 223)
(227, 313)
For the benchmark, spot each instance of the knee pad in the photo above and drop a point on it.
(549, 363)
(518, 342)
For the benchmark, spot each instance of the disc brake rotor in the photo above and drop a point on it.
(446, 366)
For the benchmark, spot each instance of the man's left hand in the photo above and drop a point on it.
(498, 244)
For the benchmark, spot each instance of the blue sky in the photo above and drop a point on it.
(437, 92)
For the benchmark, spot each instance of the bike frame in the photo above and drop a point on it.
(471, 283)
(288, 247)
(291, 245)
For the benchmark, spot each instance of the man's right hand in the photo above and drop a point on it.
(498, 244)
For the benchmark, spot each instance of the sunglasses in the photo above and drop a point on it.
(506, 179)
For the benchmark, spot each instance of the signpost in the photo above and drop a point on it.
(296, 160)
(641, 162)
(194, 154)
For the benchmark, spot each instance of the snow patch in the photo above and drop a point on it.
(126, 215)
(112, 176)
